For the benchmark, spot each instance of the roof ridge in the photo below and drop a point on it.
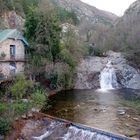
(12, 34)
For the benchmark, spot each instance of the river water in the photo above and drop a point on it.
(112, 111)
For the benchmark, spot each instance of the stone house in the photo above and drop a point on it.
(12, 52)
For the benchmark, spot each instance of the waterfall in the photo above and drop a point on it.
(108, 79)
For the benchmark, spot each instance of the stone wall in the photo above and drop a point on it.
(20, 49)
(19, 56)
(5, 68)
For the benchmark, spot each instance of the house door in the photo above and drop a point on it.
(12, 51)
(12, 68)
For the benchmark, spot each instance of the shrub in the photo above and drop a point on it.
(94, 51)
(19, 108)
(39, 98)
(20, 86)
(3, 108)
(5, 125)
(98, 51)
(90, 50)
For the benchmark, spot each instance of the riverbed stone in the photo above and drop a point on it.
(136, 119)
(30, 114)
(131, 133)
(121, 111)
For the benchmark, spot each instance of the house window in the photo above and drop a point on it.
(12, 68)
(12, 51)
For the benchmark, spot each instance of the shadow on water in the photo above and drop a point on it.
(130, 94)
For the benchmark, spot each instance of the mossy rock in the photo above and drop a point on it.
(131, 134)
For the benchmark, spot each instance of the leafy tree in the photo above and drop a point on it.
(51, 53)
(31, 24)
(27, 4)
(43, 31)
(48, 33)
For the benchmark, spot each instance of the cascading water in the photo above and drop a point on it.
(108, 79)
(58, 131)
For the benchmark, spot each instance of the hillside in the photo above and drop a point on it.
(125, 35)
(91, 18)
(87, 12)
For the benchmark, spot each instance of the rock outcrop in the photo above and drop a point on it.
(88, 72)
(11, 19)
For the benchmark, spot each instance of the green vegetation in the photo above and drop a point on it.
(18, 99)
(39, 98)
(67, 16)
(4, 126)
(52, 53)
(20, 6)
(20, 87)
(94, 51)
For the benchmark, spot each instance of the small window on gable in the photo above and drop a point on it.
(12, 50)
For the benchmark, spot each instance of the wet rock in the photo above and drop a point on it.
(121, 111)
(136, 119)
(30, 128)
(57, 132)
(131, 134)
(128, 125)
(103, 109)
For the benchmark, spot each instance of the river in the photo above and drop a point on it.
(112, 111)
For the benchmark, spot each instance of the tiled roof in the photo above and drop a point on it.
(12, 34)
